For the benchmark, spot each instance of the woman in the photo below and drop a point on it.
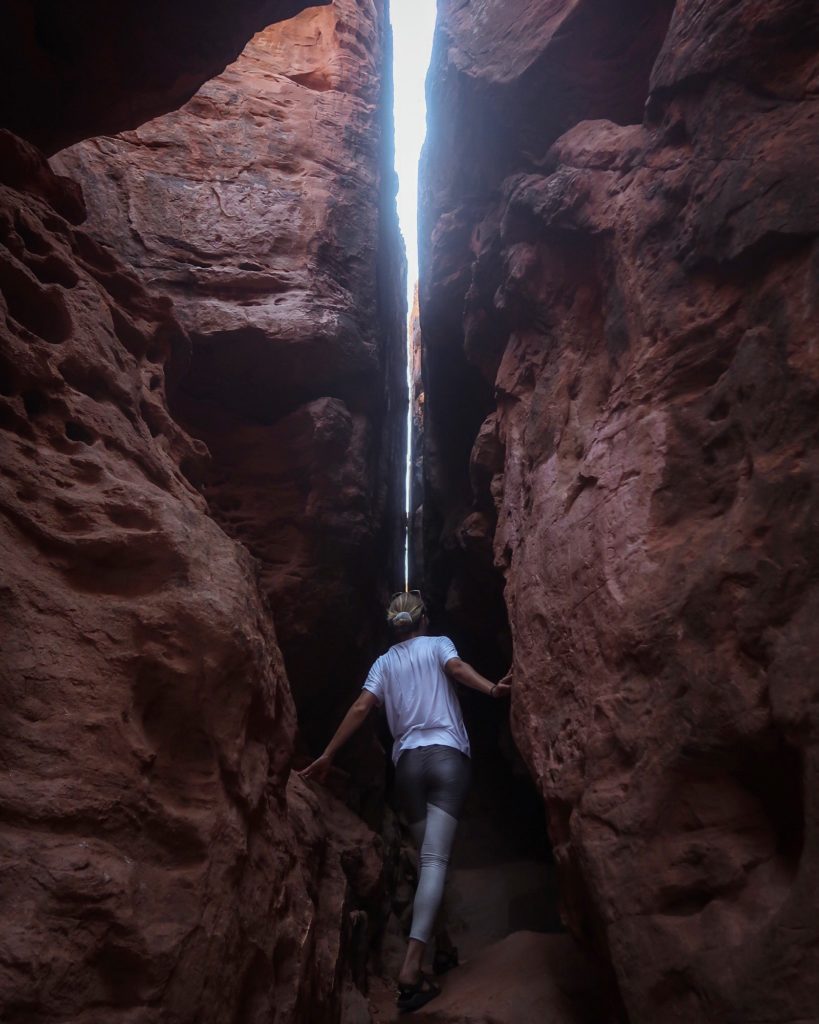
(431, 755)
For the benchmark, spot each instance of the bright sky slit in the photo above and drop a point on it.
(413, 22)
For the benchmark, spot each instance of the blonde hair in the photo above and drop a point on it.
(405, 611)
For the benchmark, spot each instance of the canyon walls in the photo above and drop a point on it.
(195, 424)
(619, 283)
(265, 210)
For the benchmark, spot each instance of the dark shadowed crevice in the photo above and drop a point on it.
(85, 68)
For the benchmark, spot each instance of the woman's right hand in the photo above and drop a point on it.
(318, 770)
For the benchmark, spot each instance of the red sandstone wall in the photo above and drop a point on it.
(155, 862)
(265, 209)
(627, 303)
(151, 865)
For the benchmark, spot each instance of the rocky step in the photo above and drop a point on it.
(526, 978)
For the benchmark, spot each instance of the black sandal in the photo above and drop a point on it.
(445, 960)
(413, 997)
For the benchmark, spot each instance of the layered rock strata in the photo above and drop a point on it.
(265, 209)
(86, 67)
(152, 866)
(620, 281)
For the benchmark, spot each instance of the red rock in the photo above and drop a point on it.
(151, 866)
(76, 69)
(641, 299)
(341, 861)
(274, 234)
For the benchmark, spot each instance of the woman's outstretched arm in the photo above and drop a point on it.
(462, 672)
(352, 721)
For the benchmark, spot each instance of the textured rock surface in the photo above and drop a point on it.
(629, 312)
(85, 67)
(151, 867)
(265, 210)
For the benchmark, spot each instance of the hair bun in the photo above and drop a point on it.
(402, 619)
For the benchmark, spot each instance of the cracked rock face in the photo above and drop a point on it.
(265, 209)
(629, 306)
(151, 866)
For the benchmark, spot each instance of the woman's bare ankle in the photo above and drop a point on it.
(411, 968)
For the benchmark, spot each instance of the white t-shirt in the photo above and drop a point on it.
(421, 703)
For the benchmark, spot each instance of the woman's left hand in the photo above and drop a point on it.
(318, 770)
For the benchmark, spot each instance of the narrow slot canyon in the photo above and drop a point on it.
(232, 425)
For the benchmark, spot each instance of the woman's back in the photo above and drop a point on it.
(420, 700)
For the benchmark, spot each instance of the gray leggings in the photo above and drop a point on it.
(431, 783)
